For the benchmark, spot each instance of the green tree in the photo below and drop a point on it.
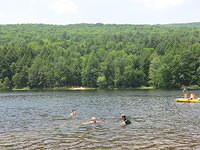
(90, 70)
(155, 72)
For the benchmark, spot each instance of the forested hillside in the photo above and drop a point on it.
(98, 55)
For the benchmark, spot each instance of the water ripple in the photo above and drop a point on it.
(40, 121)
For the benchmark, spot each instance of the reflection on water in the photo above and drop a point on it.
(40, 120)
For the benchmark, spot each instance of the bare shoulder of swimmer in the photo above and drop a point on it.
(86, 123)
(92, 121)
(122, 124)
(89, 122)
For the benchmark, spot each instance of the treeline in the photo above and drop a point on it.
(98, 55)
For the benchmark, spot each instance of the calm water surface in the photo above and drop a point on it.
(40, 121)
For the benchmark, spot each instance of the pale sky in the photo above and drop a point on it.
(99, 11)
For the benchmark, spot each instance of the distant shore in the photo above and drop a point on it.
(81, 88)
(55, 89)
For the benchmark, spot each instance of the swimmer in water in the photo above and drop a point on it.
(73, 113)
(93, 120)
(124, 121)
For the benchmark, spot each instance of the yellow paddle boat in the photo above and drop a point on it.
(188, 100)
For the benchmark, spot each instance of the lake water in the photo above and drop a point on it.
(40, 120)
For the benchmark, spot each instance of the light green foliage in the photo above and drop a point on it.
(101, 81)
(155, 72)
(90, 71)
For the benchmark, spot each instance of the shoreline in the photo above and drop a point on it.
(55, 89)
(78, 89)
(81, 88)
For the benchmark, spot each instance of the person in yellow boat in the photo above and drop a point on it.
(186, 95)
(193, 96)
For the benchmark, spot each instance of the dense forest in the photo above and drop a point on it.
(99, 55)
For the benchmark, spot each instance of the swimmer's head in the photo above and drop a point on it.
(93, 119)
(73, 112)
(123, 116)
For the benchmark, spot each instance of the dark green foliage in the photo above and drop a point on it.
(5, 84)
(98, 55)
